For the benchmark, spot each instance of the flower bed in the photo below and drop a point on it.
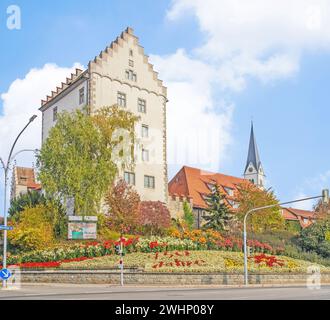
(192, 241)
(47, 265)
(213, 240)
(195, 261)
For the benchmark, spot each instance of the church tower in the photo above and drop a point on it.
(254, 171)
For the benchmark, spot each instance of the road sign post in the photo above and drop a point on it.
(121, 262)
(5, 274)
(7, 228)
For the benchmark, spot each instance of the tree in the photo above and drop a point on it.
(316, 238)
(322, 210)
(81, 157)
(218, 213)
(188, 215)
(34, 230)
(123, 203)
(249, 197)
(29, 200)
(154, 216)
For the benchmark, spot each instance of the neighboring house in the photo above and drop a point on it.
(24, 180)
(121, 74)
(302, 217)
(196, 185)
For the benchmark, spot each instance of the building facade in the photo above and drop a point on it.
(122, 75)
(23, 181)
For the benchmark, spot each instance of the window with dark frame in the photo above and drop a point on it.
(129, 177)
(145, 131)
(55, 114)
(142, 106)
(131, 75)
(149, 182)
(82, 96)
(121, 99)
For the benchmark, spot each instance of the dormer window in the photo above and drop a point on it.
(234, 204)
(205, 197)
(229, 191)
(211, 186)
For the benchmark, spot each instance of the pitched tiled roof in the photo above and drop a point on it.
(196, 183)
(304, 217)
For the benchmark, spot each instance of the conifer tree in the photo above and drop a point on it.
(218, 213)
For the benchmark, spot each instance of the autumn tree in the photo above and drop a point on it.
(249, 197)
(322, 210)
(82, 154)
(154, 216)
(123, 207)
(218, 215)
(35, 229)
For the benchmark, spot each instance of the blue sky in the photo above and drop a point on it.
(243, 70)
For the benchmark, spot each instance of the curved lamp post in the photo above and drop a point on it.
(325, 200)
(6, 170)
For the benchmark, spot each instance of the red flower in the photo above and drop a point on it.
(153, 244)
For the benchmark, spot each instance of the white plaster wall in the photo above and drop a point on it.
(68, 102)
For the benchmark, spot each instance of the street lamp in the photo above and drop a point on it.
(6, 167)
(325, 200)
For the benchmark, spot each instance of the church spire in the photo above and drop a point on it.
(253, 169)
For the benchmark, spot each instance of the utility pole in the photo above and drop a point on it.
(6, 167)
(121, 261)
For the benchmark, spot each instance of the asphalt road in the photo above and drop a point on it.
(101, 292)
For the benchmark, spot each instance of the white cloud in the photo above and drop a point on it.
(20, 102)
(258, 38)
(198, 126)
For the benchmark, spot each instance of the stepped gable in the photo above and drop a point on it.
(64, 85)
(113, 47)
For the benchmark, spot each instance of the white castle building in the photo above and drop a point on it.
(121, 74)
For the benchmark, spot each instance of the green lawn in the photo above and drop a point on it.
(193, 261)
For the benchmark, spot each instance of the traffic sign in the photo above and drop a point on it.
(5, 274)
(6, 228)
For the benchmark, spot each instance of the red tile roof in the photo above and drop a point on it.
(34, 186)
(193, 183)
(196, 183)
(304, 217)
